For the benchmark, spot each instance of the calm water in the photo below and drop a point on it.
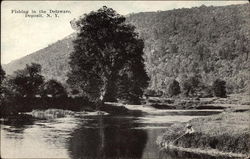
(78, 137)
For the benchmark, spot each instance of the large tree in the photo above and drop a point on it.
(131, 81)
(105, 49)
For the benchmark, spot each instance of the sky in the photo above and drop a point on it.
(22, 35)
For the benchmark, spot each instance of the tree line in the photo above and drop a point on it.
(193, 87)
(29, 83)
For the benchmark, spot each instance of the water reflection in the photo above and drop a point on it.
(112, 139)
(16, 125)
(19, 121)
(76, 137)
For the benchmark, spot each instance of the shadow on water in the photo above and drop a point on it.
(18, 123)
(105, 137)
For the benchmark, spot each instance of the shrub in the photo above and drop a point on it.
(153, 93)
(174, 88)
(219, 88)
(54, 88)
(192, 85)
(206, 91)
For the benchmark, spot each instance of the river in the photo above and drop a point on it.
(93, 136)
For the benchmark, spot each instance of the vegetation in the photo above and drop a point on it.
(107, 57)
(103, 65)
(152, 93)
(132, 82)
(174, 88)
(2, 88)
(219, 88)
(107, 64)
(25, 91)
(227, 132)
(191, 85)
(53, 59)
(26, 82)
(53, 89)
(180, 43)
(177, 43)
(2, 73)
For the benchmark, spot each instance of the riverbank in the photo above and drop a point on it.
(234, 102)
(226, 134)
(18, 105)
(106, 109)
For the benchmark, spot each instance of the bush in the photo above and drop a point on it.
(206, 92)
(174, 88)
(192, 85)
(54, 88)
(153, 93)
(219, 88)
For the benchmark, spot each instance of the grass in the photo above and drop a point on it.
(226, 132)
(51, 113)
(233, 101)
(232, 123)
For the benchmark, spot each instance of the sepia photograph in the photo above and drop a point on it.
(125, 80)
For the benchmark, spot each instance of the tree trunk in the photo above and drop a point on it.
(103, 91)
(111, 91)
(102, 95)
(108, 91)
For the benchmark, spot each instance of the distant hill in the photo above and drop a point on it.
(54, 59)
(211, 41)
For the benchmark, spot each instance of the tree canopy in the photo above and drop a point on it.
(105, 49)
(27, 82)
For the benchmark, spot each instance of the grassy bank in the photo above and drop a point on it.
(226, 133)
(233, 101)
(58, 113)
(51, 113)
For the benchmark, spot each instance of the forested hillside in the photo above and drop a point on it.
(213, 42)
